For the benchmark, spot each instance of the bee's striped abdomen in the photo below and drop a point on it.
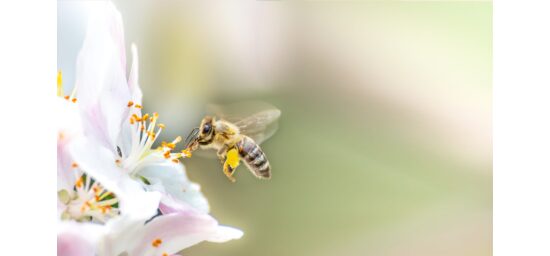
(254, 157)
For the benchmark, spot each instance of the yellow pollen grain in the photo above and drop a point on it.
(164, 254)
(74, 165)
(130, 103)
(132, 120)
(167, 154)
(66, 97)
(138, 106)
(79, 182)
(74, 100)
(156, 242)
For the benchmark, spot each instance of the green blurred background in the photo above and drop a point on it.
(384, 145)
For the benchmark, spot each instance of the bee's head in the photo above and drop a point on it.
(206, 130)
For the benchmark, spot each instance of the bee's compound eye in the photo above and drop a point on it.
(206, 129)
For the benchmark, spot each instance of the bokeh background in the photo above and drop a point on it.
(384, 145)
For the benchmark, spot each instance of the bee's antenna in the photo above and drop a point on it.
(191, 137)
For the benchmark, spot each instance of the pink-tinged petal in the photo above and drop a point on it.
(102, 89)
(73, 245)
(171, 180)
(100, 164)
(78, 239)
(69, 128)
(65, 175)
(173, 232)
(133, 81)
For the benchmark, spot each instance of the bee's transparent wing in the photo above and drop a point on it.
(260, 126)
(255, 119)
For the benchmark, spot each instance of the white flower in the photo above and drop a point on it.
(117, 148)
(105, 229)
(114, 172)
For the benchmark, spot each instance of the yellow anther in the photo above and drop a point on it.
(59, 84)
(156, 242)
(167, 154)
(138, 106)
(177, 140)
(74, 165)
(162, 126)
(145, 117)
(66, 97)
(79, 182)
(74, 100)
(186, 153)
(175, 160)
(130, 103)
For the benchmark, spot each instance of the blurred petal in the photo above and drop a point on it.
(77, 239)
(69, 128)
(224, 234)
(176, 231)
(170, 179)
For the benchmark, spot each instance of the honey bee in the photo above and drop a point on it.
(236, 138)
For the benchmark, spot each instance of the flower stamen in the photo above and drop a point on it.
(89, 201)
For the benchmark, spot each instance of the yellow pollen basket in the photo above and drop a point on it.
(233, 158)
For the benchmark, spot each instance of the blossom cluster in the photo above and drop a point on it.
(120, 191)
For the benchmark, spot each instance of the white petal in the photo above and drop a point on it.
(224, 234)
(102, 89)
(133, 81)
(69, 128)
(170, 179)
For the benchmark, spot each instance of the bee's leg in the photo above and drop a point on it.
(222, 152)
(231, 163)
